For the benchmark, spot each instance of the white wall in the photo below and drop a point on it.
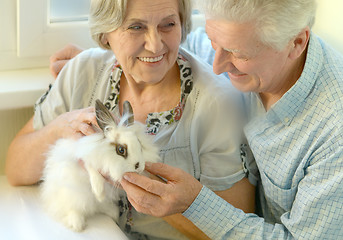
(329, 23)
(11, 121)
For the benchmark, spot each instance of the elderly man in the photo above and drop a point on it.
(293, 84)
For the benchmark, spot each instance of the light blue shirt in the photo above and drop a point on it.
(298, 147)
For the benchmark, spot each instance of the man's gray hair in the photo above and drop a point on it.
(276, 22)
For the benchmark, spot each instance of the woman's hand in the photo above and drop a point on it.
(61, 57)
(75, 124)
(160, 199)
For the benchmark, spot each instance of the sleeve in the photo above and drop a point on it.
(55, 101)
(316, 213)
(218, 126)
(70, 90)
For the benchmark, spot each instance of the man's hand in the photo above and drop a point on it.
(61, 57)
(160, 199)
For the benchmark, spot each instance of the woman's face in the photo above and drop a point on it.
(250, 65)
(147, 43)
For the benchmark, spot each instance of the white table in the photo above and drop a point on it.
(22, 217)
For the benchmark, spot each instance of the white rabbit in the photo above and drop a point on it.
(71, 193)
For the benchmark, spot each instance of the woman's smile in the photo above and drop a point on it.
(151, 59)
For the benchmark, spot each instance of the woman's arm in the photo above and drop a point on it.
(25, 159)
(26, 154)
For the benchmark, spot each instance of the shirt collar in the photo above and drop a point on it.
(290, 103)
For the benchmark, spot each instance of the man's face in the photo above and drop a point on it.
(251, 65)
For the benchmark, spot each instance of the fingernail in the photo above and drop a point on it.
(127, 178)
(148, 164)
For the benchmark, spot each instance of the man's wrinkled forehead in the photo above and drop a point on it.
(234, 37)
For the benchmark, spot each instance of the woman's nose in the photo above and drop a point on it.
(153, 41)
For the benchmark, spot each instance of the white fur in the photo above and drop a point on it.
(72, 193)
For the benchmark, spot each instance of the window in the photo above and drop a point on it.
(198, 19)
(77, 10)
(43, 26)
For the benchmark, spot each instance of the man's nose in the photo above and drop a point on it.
(153, 41)
(222, 61)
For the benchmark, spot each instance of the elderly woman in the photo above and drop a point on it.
(191, 112)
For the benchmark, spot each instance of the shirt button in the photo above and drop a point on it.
(286, 120)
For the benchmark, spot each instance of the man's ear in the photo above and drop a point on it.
(299, 43)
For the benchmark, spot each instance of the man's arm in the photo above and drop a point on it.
(241, 195)
(61, 57)
(180, 185)
(316, 213)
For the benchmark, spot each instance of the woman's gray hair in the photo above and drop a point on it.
(276, 22)
(108, 15)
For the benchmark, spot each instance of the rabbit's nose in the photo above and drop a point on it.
(137, 166)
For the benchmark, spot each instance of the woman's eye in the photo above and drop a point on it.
(135, 27)
(167, 26)
(171, 24)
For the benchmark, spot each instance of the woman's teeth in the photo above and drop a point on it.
(147, 59)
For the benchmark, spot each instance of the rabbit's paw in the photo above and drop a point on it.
(100, 196)
(97, 183)
(75, 221)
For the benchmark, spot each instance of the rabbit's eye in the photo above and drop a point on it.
(121, 150)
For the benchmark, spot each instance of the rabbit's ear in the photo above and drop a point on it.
(127, 110)
(103, 116)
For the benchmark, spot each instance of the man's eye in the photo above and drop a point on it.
(239, 56)
(243, 58)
